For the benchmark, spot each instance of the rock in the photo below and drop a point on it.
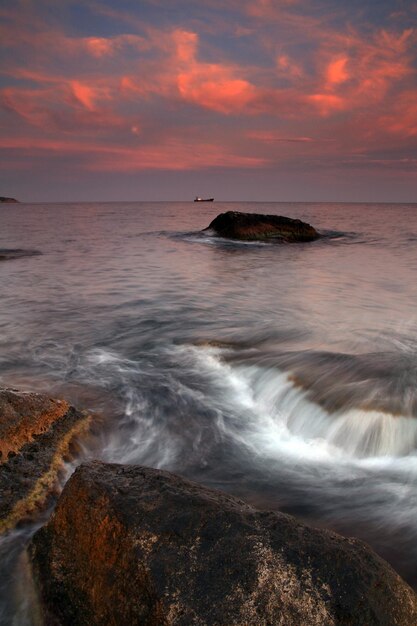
(35, 435)
(251, 226)
(5, 199)
(133, 545)
(6, 254)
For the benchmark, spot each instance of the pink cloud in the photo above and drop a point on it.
(22, 103)
(327, 103)
(352, 91)
(185, 46)
(270, 9)
(288, 67)
(61, 106)
(336, 72)
(402, 119)
(99, 46)
(273, 136)
(214, 86)
(84, 94)
(182, 76)
(170, 155)
(215, 89)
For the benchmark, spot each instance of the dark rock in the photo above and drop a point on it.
(132, 545)
(253, 227)
(35, 434)
(16, 253)
(5, 199)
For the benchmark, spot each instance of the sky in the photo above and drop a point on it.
(268, 100)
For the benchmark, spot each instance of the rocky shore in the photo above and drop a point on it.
(6, 199)
(36, 433)
(258, 227)
(134, 545)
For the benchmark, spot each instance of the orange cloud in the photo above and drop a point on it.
(99, 46)
(402, 120)
(173, 154)
(288, 67)
(61, 106)
(269, 9)
(109, 91)
(84, 94)
(337, 72)
(215, 89)
(327, 103)
(211, 85)
(271, 136)
(181, 76)
(186, 46)
(364, 74)
(24, 104)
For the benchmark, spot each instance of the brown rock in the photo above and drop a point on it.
(35, 434)
(132, 545)
(252, 227)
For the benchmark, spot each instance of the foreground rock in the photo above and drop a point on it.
(6, 199)
(35, 435)
(253, 227)
(132, 545)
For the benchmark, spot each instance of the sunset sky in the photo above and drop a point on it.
(166, 99)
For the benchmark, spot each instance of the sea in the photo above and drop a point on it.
(285, 374)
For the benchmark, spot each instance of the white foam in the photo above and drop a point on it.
(274, 417)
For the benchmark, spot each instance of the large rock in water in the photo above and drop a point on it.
(35, 435)
(132, 545)
(252, 227)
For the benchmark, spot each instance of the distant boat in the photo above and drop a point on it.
(198, 199)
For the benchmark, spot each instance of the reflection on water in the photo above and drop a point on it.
(283, 374)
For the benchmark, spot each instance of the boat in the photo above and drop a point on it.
(198, 199)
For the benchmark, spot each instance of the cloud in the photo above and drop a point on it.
(327, 103)
(336, 72)
(61, 106)
(214, 86)
(401, 120)
(174, 155)
(288, 68)
(83, 94)
(100, 46)
(276, 137)
(282, 78)
(181, 76)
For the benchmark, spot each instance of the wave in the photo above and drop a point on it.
(280, 414)
(237, 419)
(177, 405)
(212, 239)
(16, 253)
(375, 381)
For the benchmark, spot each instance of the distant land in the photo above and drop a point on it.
(5, 199)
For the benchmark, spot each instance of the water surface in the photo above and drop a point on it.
(284, 374)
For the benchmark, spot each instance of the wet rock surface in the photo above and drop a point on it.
(133, 545)
(35, 434)
(254, 227)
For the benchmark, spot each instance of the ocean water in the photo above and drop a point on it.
(284, 374)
